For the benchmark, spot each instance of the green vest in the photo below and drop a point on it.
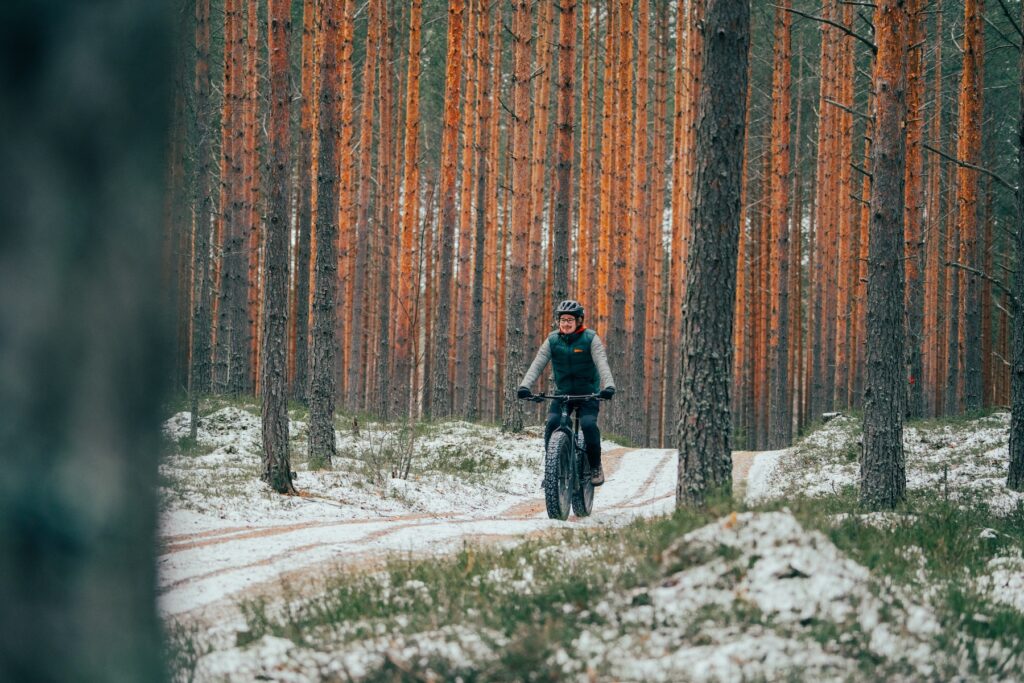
(575, 370)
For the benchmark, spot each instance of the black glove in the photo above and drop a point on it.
(523, 392)
(607, 393)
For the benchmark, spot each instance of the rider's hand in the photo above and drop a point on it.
(522, 392)
(607, 393)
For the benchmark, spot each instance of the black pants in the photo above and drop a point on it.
(588, 425)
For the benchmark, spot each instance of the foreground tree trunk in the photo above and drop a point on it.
(883, 477)
(82, 345)
(277, 469)
(703, 430)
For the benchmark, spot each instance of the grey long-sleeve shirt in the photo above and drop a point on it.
(597, 352)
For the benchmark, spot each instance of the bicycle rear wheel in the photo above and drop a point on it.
(557, 475)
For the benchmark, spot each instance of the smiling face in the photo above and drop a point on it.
(567, 324)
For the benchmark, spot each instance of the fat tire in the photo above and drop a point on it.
(556, 496)
(583, 493)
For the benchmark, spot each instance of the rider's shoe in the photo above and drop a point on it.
(597, 478)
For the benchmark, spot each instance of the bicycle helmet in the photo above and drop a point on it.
(569, 307)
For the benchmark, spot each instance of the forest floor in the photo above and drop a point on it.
(451, 568)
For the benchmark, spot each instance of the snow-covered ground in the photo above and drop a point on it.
(751, 596)
(225, 533)
(965, 460)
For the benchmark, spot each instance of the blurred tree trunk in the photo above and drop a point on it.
(883, 477)
(703, 430)
(84, 347)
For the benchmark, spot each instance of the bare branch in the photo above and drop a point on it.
(845, 29)
(848, 109)
(1009, 15)
(987, 278)
(995, 176)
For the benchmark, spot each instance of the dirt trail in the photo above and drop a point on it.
(203, 575)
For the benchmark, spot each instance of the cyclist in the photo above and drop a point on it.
(580, 366)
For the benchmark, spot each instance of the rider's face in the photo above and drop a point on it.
(566, 324)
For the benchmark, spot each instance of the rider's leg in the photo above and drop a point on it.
(591, 434)
(554, 419)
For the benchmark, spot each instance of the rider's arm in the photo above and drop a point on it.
(537, 367)
(600, 357)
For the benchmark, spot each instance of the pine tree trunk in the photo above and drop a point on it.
(518, 225)
(306, 194)
(968, 150)
(443, 347)
(357, 331)
(1015, 476)
(883, 468)
(202, 292)
(230, 334)
(325, 278)
(913, 238)
(87, 100)
(387, 184)
(407, 323)
(703, 430)
(564, 147)
(481, 255)
(780, 419)
(273, 361)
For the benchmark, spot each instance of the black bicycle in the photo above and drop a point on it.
(566, 466)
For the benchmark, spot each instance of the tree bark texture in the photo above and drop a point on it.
(913, 249)
(202, 276)
(703, 430)
(325, 277)
(273, 362)
(564, 151)
(1015, 476)
(969, 149)
(883, 467)
(441, 397)
(780, 415)
(306, 199)
(518, 226)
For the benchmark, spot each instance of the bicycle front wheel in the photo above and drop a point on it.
(557, 475)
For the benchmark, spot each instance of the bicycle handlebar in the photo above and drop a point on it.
(537, 398)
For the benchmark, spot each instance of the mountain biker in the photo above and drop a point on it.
(580, 366)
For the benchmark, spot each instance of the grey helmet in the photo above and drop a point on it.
(569, 307)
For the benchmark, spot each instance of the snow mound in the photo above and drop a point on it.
(749, 597)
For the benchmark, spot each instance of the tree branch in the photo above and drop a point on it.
(842, 27)
(848, 109)
(987, 278)
(1009, 15)
(995, 176)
